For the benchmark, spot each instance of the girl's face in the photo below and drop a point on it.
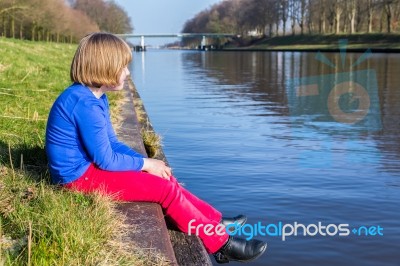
(125, 72)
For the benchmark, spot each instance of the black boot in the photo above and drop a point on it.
(240, 220)
(237, 249)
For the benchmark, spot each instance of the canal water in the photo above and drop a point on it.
(306, 141)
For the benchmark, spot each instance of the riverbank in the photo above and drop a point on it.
(329, 43)
(41, 224)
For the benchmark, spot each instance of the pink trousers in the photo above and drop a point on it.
(181, 206)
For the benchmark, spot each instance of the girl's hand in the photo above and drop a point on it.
(156, 167)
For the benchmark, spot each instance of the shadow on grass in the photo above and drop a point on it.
(30, 159)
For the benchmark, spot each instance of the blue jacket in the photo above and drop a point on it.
(79, 132)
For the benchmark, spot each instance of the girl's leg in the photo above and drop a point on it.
(141, 186)
(210, 211)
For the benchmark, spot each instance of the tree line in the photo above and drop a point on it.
(60, 20)
(283, 17)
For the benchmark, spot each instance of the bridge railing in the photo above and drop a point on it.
(178, 35)
(203, 44)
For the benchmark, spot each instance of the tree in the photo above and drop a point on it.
(108, 15)
(258, 15)
(243, 16)
(303, 8)
(117, 20)
(389, 7)
(284, 13)
(58, 20)
(9, 12)
(293, 9)
(351, 8)
(320, 10)
(370, 13)
(338, 10)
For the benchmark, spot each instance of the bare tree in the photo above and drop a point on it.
(107, 14)
(360, 14)
(331, 15)
(322, 17)
(303, 8)
(56, 20)
(388, 7)
(293, 6)
(351, 7)
(313, 16)
(260, 15)
(283, 10)
(338, 10)
(10, 11)
(370, 13)
(117, 20)
(272, 16)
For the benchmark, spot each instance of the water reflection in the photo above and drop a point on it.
(272, 80)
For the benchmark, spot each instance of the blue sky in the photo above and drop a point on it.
(162, 16)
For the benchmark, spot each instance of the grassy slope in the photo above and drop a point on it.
(39, 223)
(305, 42)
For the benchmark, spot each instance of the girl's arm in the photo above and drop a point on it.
(91, 121)
(118, 146)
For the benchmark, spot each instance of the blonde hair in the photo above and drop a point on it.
(99, 60)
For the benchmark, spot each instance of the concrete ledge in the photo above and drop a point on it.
(145, 221)
(148, 231)
(147, 226)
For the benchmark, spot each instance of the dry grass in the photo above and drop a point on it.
(151, 140)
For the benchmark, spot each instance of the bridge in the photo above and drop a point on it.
(204, 36)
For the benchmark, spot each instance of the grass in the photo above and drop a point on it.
(152, 142)
(41, 224)
(47, 226)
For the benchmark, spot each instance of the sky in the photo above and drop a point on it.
(162, 16)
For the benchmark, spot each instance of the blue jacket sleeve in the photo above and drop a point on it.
(91, 121)
(120, 147)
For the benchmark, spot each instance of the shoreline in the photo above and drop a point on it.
(309, 50)
(325, 50)
(356, 43)
(298, 49)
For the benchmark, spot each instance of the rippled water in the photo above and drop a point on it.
(240, 135)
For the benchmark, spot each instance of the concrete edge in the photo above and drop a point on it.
(147, 229)
(189, 250)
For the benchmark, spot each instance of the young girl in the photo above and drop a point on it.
(85, 155)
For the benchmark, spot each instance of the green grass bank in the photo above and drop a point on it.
(358, 42)
(41, 224)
